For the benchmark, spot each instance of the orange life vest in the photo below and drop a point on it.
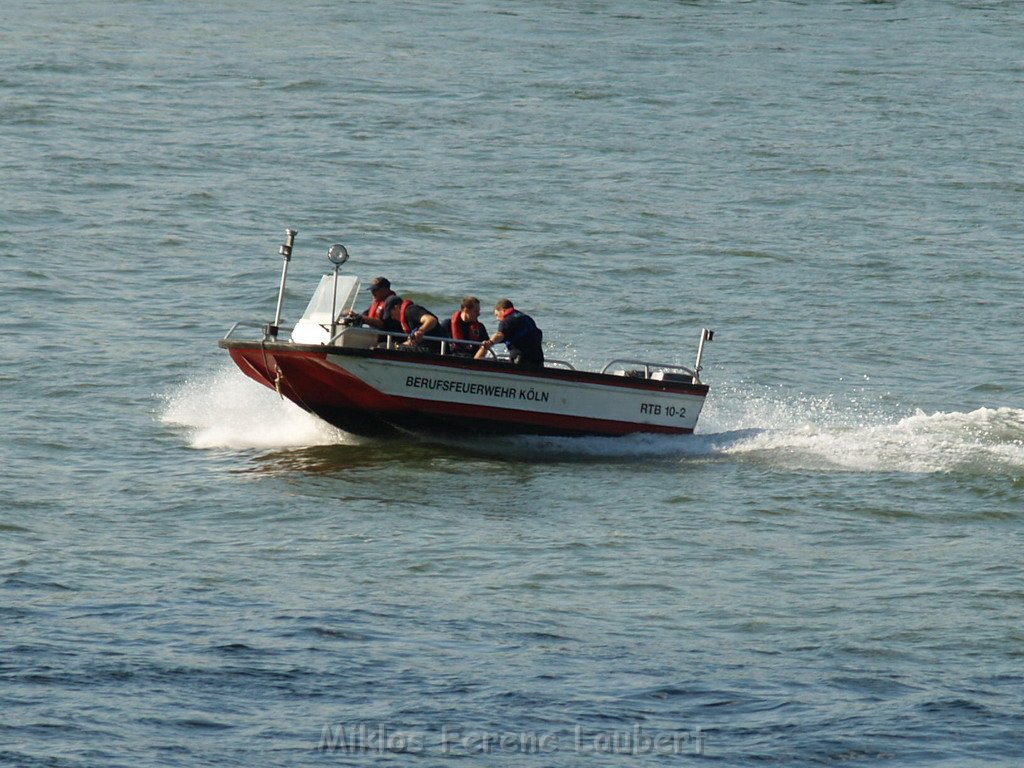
(376, 310)
(403, 308)
(463, 330)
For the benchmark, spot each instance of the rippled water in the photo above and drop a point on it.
(828, 572)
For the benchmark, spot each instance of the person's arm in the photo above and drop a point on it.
(366, 319)
(373, 322)
(427, 323)
(497, 338)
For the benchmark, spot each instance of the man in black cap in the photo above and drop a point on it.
(375, 316)
(408, 317)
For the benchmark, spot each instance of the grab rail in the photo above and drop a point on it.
(244, 324)
(649, 365)
(446, 341)
(393, 335)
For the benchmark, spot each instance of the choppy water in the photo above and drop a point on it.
(194, 572)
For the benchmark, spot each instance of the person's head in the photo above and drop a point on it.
(392, 307)
(470, 308)
(502, 307)
(379, 286)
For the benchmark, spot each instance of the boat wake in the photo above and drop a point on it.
(224, 409)
(818, 434)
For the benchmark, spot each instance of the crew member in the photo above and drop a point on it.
(375, 316)
(521, 335)
(411, 318)
(464, 325)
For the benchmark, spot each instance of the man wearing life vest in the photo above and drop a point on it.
(408, 317)
(521, 335)
(464, 325)
(375, 316)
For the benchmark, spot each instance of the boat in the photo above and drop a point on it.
(367, 382)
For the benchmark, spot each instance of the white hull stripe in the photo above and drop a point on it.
(417, 381)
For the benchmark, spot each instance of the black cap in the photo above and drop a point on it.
(379, 282)
(390, 303)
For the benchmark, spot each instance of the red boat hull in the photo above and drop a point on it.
(387, 392)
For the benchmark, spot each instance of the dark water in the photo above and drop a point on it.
(828, 573)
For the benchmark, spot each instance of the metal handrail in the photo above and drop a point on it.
(392, 335)
(649, 365)
(244, 324)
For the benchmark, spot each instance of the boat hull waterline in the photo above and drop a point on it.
(379, 392)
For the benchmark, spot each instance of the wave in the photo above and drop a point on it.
(821, 434)
(818, 434)
(225, 409)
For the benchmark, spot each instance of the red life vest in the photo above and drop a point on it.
(376, 310)
(466, 330)
(403, 308)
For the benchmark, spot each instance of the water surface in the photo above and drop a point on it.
(194, 572)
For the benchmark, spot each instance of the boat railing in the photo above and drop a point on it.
(447, 343)
(393, 340)
(243, 324)
(650, 368)
(548, 362)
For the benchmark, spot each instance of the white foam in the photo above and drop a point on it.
(226, 409)
(820, 434)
